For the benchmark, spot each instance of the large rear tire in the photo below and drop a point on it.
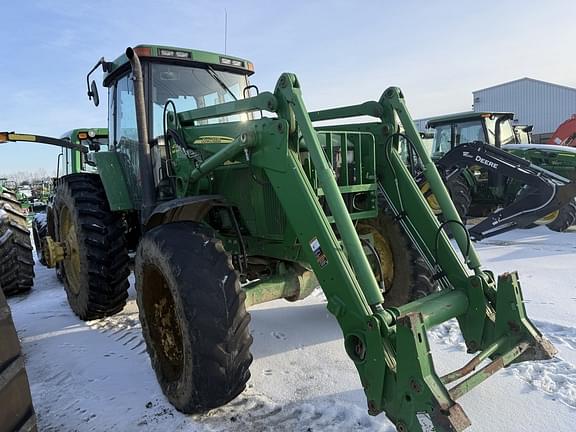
(95, 271)
(565, 219)
(15, 247)
(16, 410)
(193, 317)
(406, 275)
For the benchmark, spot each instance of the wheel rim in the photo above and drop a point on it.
(385, 255)
(430, 198)
(549, 218)
(162, 322)
(71, 262)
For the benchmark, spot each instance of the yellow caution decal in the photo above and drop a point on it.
(21, 137)
(213, 139)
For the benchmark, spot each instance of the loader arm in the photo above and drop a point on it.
(40, 139)
(389, 346)
(544, 192)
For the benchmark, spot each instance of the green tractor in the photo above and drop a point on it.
(231, 197)
(16, 261)
(76, 156)
(489, 173)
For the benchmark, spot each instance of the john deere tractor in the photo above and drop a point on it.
(231, 197)
(491, 173)
(76, 156)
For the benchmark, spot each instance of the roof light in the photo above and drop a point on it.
(91, 133)
(250, 67)
(183, 54)
(166, 52)
(143, 51)
(82, 135)
(231, 62)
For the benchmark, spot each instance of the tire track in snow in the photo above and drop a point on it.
(254, 412)
(124, 329)
(555, 377)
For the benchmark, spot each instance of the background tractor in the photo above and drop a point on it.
(226, 207)
(489, 173)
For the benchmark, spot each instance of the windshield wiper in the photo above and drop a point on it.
(214, 75)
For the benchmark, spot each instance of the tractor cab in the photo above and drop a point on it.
(175, 80)
(455, 129)
(73, 161)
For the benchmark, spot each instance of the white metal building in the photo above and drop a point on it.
(542, 104)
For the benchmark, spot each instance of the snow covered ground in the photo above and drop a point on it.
(96, 376)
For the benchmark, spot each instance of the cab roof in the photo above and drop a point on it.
(464, 116)
(170, 54)
(73, 135)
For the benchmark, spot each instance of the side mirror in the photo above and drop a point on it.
(93, 93)
(94, 146)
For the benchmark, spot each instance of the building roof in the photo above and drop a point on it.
(525, 79)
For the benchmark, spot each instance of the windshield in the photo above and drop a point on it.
(190, 88)
(450, 135)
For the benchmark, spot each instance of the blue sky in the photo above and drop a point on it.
(344, 52)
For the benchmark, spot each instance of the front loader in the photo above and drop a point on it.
(232, 197)
(491, 173)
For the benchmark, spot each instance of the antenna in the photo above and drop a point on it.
(225, 30)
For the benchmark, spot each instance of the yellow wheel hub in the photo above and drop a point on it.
(549, 218)
(71, 260)
(430, 198)
(382, 247)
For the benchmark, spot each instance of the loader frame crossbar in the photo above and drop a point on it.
(389, 346)
(20, 137)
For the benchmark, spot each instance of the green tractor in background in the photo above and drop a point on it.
(489, 173)
(226, 207)
(76, 156)
(18, 212)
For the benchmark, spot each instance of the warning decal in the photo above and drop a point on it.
(318, 253)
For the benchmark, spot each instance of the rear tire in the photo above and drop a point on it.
(17, 412)
(95, 273)
(406, 275)
(565, 219)
(193, 317)
(15, 247)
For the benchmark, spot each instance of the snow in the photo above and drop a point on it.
(96, 376)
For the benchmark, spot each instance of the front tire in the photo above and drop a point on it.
(460, 193)
(406, 275)
(193, 317)
(565, 219)
(95, 270)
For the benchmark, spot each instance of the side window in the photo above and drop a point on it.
(126, 128)
(126, 133)
(111, 115)
(442, 139)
